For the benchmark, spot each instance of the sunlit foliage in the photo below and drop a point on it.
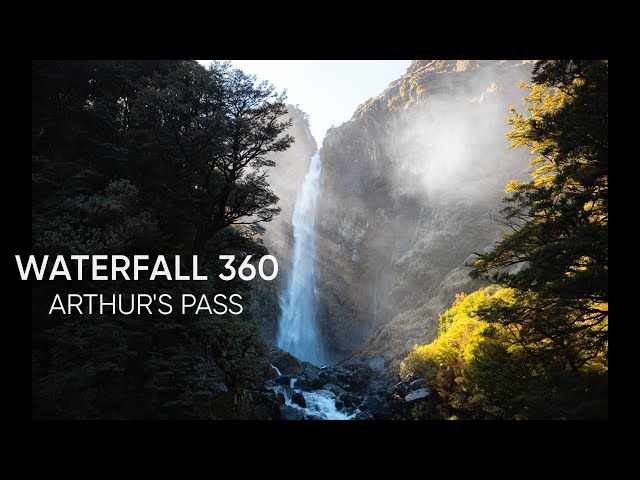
(538, 347)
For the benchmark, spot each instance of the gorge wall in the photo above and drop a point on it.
(407, 187)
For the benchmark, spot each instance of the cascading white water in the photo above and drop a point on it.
(298, 332)
(321, 404)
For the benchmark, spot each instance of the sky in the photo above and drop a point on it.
(328, 90)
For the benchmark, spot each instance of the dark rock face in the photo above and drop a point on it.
(407, 187)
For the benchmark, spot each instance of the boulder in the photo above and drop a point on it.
(265, 405)
(309, 416)
(417, 395)
(401, 388)
(356, 374)
(298, 399)
(363, 416)
(310, 379)
(375, 406)
(290, 413)
(352, 375)
(285, 362)
(351, 399)
(283, 380)
(335, 389)
(417, 384)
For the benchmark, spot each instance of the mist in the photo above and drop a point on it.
(453, 145)
(406, 191)
(408, 186)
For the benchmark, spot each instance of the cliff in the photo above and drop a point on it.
(407, 187)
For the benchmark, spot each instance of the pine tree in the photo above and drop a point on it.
(555, 255)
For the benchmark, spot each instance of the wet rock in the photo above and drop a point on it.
(287, 391)
(290, 413)
(335, 389)
(271, 373)
(285, 362)
(310, 379)
(363, 416)
(298, 399)
(351, 399)
(283, 380)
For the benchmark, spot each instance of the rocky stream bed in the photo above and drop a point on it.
(349, 390)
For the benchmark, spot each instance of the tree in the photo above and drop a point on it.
(127, 157)
(211, 131)
(556, 253)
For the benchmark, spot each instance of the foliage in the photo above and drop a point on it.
(475, 369)
(538, 346)
(103, 223)
(152, 157)
(556, 254)
(212, 129)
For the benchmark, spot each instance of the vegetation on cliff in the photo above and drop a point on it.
(538, 346)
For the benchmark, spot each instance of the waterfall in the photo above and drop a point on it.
(298, 332)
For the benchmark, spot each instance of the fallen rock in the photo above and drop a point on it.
(417, 395)
(355, 375)
(298, 399)
(401, 388)
(265, 406)
(335, 389)
(310, 379)
(363, 416)
(374, 406)
(283, 380)
(351, 399)
(417, 384)
(285, 362)
(290, 413)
